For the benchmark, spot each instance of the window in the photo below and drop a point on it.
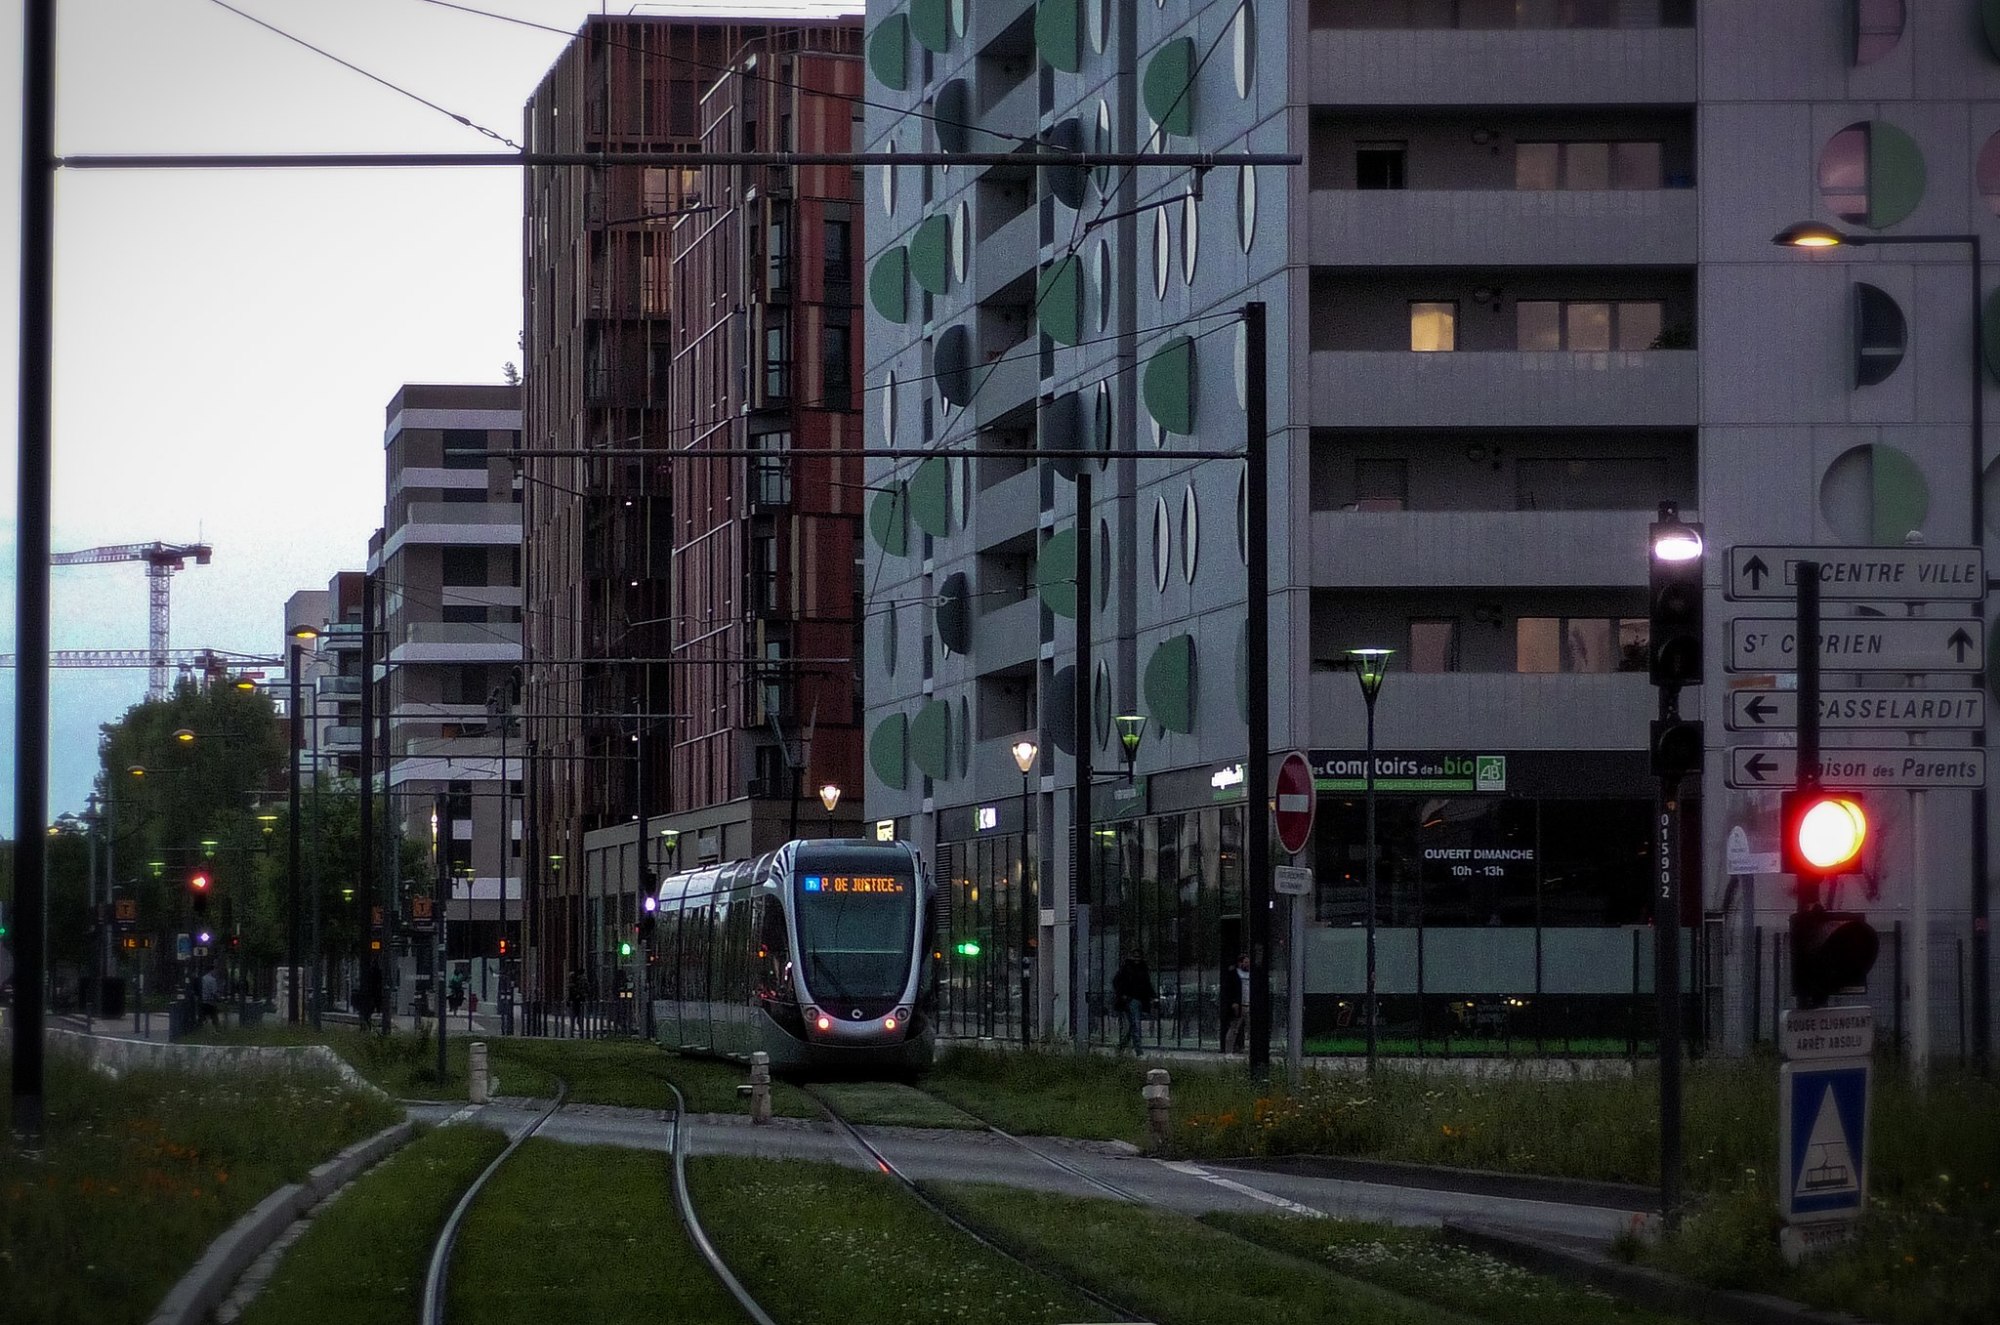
(1587, 165)
(1580, 644)
(463, 496)
(778, 250)
(771, 476)
(836, 366)
(464, 448)
(836, 238)
(1433, 644)
(1586, 324)
(1381, 485)
(777, 361)
(764, 572)
(464, 566)
(1434, 325)
(1379, 165)
(463, 614)
(1878, 27)
(1879, 334)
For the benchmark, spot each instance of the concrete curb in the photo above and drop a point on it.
(204, 1287)
(1638, 1284)
(117, 1055)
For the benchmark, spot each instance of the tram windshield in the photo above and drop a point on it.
(857, 921)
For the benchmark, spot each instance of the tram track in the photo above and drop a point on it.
(985, 1237)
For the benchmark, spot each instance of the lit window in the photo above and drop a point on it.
(1843, 174)
(1878, 26)
(1434, 326)
(1433, 644)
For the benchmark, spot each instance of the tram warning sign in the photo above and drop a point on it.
(1893, 574)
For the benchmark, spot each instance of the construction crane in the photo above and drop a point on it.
(212, 665)
(162, 560)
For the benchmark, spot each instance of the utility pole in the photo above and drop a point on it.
(440, 904)
(1257, 761)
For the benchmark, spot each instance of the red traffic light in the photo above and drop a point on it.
(199, 883)
(1824, 832)
(503, 947)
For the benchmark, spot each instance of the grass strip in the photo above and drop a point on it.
(817, 1244)
(892, 1104)
(1419, 1263)
(580, 1233)
(139, 1174)
(1042, 1092)
(344, 1268)
(401, 1063)
(1178, 1271)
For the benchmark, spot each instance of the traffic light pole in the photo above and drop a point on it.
(1667, 973)
(1806, 633)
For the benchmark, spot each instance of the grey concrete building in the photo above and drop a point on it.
(448, 568)
(1521, 291)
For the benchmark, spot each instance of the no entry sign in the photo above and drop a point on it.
(1296, 803)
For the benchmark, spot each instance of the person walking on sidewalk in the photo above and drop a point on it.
(211, 1000)
(1236, 1006)
(1132, 990)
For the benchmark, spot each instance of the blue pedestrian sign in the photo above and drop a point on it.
(1823, 1139)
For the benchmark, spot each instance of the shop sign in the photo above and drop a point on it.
(1423, 771)
(985, 818)
(1227, 782)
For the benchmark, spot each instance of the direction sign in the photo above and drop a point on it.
(1861, 644)
(1297, 802)
(1895, 574)
(1855, 710)
(1846, 769)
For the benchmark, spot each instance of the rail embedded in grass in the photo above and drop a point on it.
(139, 1174)
(1420, 1264)
(853, 1248)
(580, 1233)
(344, 1268)
(1180, 1272)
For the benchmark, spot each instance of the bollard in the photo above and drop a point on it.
(760, 1087)
(476, 1070)
(1159, 1107)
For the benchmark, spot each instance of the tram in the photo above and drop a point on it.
(818, 953)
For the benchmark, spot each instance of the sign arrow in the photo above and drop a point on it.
(1757, 766)
(1960, 642)
(1756, 570)
(1758, 709)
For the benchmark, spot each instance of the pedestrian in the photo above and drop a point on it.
(579, 990)
(211, 1000)
(1236, 1006)
(455, 992)
(1132, 990)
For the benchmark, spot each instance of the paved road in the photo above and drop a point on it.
(979, 1156)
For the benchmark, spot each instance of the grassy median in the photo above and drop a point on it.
(363, 1259)
(139, 1174)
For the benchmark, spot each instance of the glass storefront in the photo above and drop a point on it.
(985, 930)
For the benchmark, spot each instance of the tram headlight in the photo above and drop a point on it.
(888, 1023)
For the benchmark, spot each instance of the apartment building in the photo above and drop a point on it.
(662, 681)
(447, 566)
(1521, 291)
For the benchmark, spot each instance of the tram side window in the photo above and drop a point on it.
(739, 955)
(666, 949)
(694, 950)
(774, 948)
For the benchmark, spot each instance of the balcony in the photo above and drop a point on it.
(1502, 227)
(1001, 257)
(1010, 379)
(456, 524)
(1007, 509)
(1402, 389)
(1492, 710)
(454, 642)
(1007, 636)
(1489, 549)
(341, 739)
(1492, 67)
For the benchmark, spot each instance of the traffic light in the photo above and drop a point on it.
(649, 919)
(1674, 645)
(1823, 833)
(503, 947)
(967, 949)
(198, 888)
(1677, 744)
(1831, 951)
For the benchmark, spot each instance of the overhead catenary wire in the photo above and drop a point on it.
(355, 68)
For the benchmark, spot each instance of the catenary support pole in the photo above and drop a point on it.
(1083, 851)
(371, 974)
(31, 568)
(1257, 764)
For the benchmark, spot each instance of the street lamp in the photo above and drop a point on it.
(829, 796)
(298, 635)
(1024, 752)
(1369, 666)
(1131, 730)
(1813, 234)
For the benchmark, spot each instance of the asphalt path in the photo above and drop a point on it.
(1086, 1168)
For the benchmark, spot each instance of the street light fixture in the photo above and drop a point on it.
(185, 735)
(1024, 752)
(1369, 666)
(1811, 235)
(1131, 731)
(829, 796)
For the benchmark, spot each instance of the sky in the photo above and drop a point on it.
(226, 341)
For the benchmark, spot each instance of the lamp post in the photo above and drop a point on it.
(293, 661)
(1024, 752)
(1370, 665)
(1131, 731)
(1814, 235)
(829, 796)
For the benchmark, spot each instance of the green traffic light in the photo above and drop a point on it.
(625, 949)
(967, 949)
